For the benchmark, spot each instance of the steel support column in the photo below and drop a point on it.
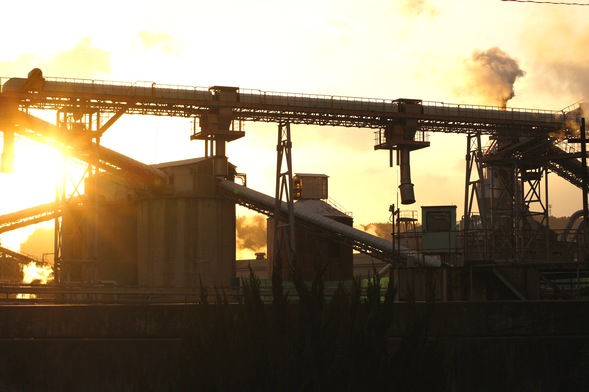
(284, 232)
(76, 224)
(476, 188)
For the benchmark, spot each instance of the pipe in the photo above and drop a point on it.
(406, 187)
(569, 225)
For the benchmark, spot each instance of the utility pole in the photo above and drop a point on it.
(394, 212)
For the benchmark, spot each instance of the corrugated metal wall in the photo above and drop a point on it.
(182, 239)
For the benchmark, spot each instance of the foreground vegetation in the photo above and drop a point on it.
(310, 345)
(314, 343)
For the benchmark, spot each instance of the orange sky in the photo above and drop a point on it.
(377, 49)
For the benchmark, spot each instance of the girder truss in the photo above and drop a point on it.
(255, 105)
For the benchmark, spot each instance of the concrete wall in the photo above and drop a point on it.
(184, 240)
(141, 347)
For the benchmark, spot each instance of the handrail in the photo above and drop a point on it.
(258, 105)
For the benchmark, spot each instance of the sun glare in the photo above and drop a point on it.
(37, 170)
(33, 272)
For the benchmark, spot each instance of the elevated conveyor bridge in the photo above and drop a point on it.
(399, 124)
(254, 105)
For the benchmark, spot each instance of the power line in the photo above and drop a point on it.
(547, 2)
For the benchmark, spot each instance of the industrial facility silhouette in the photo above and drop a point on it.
(172, 225)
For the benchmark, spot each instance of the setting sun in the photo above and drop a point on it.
(37, 170)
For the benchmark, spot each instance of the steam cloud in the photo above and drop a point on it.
(382, 230)
(37, 273)
(251, 236)
(492, 74)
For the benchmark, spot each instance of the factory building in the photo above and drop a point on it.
(179, 238)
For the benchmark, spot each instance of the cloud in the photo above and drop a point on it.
(82, 61)
(158, 40)
(553, 44)
(20, 66)
(490, 75)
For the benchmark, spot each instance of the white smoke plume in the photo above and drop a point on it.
(382, 230)
(37, 273)
(491, 74)
(250, 236)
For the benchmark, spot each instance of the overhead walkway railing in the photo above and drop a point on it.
(257, 105)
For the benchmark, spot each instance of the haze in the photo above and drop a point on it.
(488, 52)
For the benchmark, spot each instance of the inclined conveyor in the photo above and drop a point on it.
(359, 240)
(27, 216)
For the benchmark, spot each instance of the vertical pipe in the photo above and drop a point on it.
(406, 187)
(220, 147)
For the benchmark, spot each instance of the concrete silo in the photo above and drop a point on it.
(187, 235)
